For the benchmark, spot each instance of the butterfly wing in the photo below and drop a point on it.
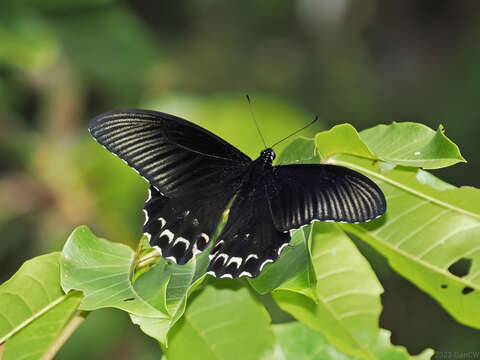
(193, 175)
(172, 154)
(182, 227)
(303, 193)
(249, 239)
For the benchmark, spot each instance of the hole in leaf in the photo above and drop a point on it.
(467, 290)
(460, 267)
(444, 286)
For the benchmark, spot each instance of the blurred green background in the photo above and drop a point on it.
(362, 62)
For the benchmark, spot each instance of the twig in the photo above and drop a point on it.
(68, 330)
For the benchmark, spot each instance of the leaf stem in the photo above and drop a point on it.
(147, 259)
(66, 333)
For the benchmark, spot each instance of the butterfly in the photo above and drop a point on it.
(195, 176)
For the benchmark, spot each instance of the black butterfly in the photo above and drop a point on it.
(194, 175)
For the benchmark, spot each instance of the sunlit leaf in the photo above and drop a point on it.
(167, 286)
(341, 139)
(297, 342)
(102, 271)
(412, 144)
(293, 271)
(425, 231)
(34, 309)
(348, 293)
(221, 324)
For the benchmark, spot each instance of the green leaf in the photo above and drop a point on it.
(383, 349)
(102, 271)
(341, 139)
(296, 341)
(348, 291)
(221, 324)
(425, 231)
(293, 271)
(34, 309)
(301, 150)
(412, 144)
(167, 286)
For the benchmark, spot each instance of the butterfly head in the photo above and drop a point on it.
(267, 155)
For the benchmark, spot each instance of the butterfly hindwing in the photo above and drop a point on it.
(303, 193)
(249, 240)
(182, 227)
(176, 156)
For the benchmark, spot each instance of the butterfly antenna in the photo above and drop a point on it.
(255, 121)
(296, 132)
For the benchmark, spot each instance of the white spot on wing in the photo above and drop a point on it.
(195, 250)
(146, 216)
(236, 260)
(206, 237)
(227, 276)
(245, 273)
(182, 240)
(148, 235)
(211, 273)
(281, 248)
(172, 258)
(255, 256)
(265, 263)
(162, 221)
(157, 248)
(222, 256)
(169, 234)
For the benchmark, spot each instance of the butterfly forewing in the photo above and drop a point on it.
(193, 175)
(303, 193)
(175, 155)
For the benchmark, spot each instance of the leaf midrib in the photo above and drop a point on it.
(34, 316)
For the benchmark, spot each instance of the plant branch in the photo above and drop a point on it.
(66, 333)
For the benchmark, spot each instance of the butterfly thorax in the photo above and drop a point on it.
(267, 156)
(258, 174)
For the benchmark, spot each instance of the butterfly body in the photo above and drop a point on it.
(194, 176)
